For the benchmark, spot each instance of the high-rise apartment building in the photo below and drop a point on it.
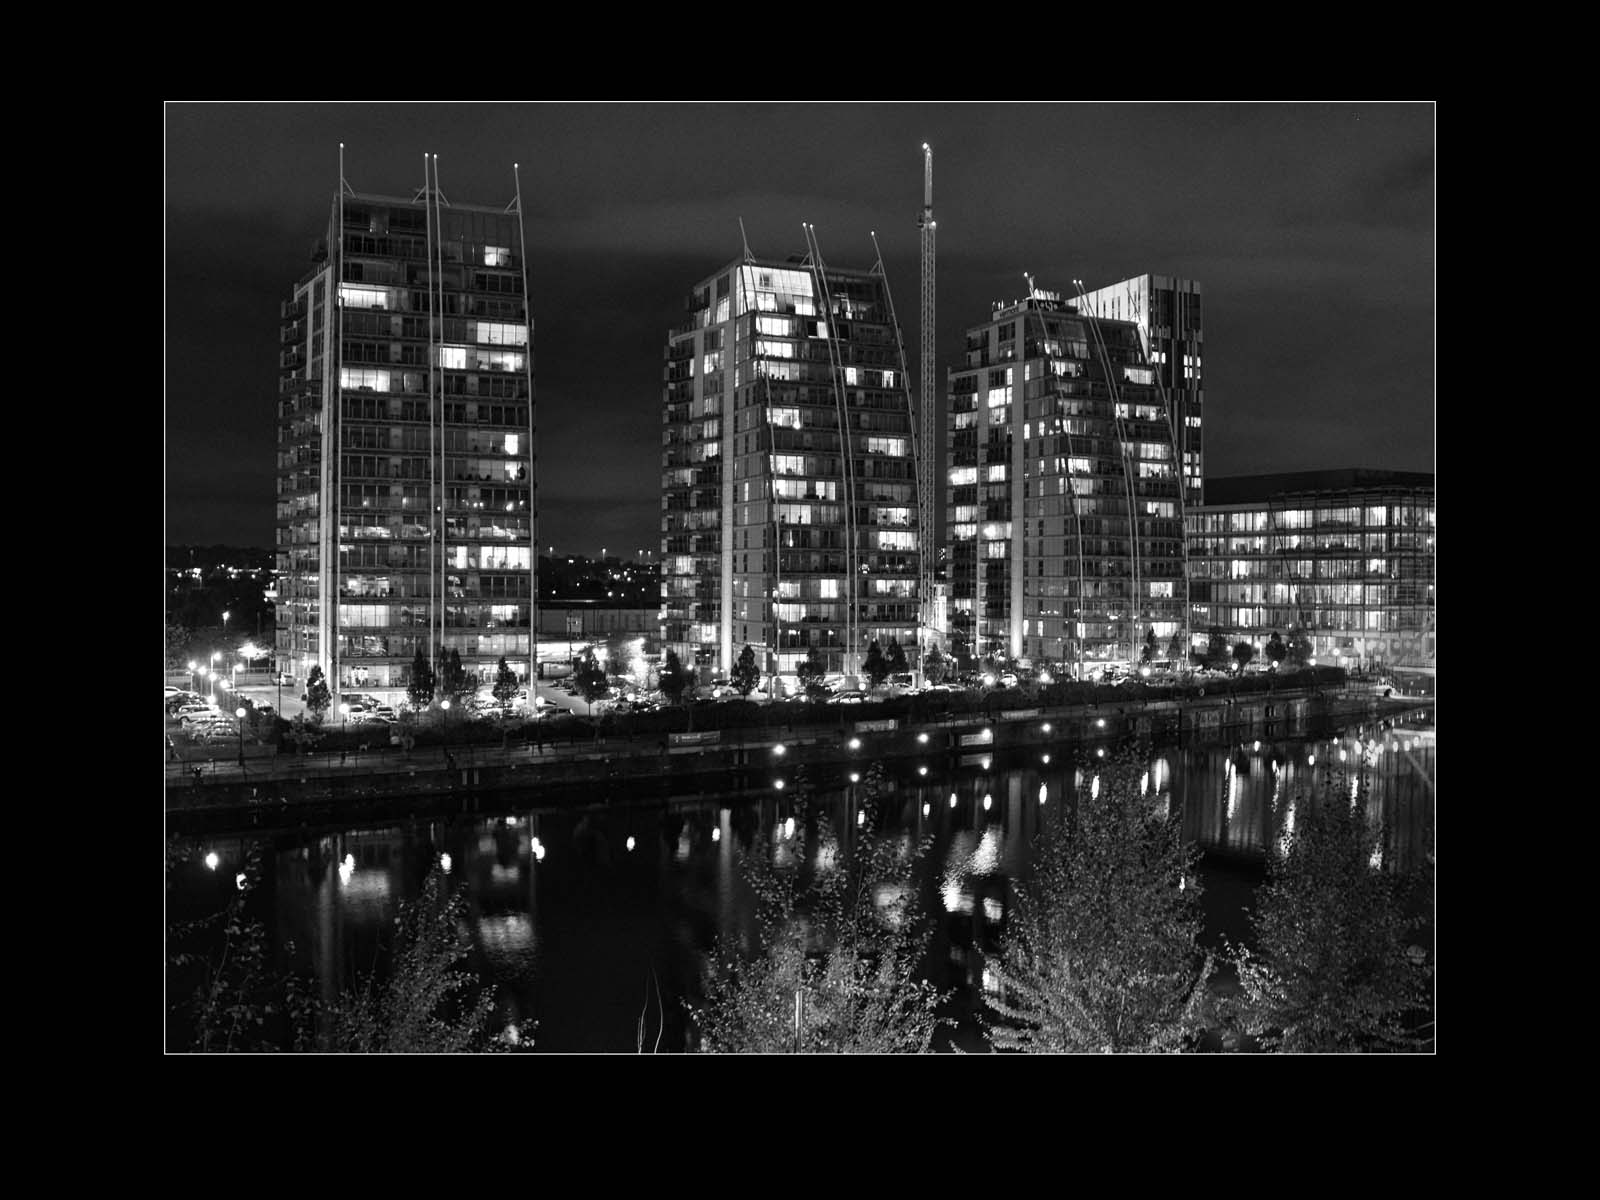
(788, 487)
(1167, 313)
(1345, 556)
(406, 501)
(1064, 512)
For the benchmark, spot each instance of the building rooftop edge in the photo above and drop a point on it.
(1249, 489)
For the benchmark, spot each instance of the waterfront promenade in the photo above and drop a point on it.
(829, 742)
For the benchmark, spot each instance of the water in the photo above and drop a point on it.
(584, 935)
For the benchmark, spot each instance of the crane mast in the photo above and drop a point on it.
(927, 441)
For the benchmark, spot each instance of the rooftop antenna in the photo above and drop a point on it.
(1031, 288)
(748, 257)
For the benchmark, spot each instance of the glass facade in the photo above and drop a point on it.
(788, 488)
(1167, 312)
(1063, 507)
(406, 500)
(1347, 556)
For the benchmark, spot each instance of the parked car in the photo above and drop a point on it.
(385, 711)
(850, 697)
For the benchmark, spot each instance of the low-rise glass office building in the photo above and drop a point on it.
(1346, 556)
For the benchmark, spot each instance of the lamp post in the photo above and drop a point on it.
(344, 717)
(239, 714)
(212, 673)
(445, 706)
(194, 670)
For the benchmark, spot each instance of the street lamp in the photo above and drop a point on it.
(239, 713)
(445, 705)
(212, 674)
(344, 717)
(193, 671)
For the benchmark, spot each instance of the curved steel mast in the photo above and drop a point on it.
(533, 475)
(847, 453)
(1124, 451)
(924, 536)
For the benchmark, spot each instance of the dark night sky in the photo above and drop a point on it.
(1310, 227)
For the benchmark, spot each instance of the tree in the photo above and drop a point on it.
(811, 672)
(1216, 647)
(426, 1005)
(301, 735)
(420, 687)
(840, 936)
(317, 696)
(176, 641)
(423, 1004)
(897, 658)
(505, 685)
(1299, 646)
(1276, 650)
(454, 684)
(1105, 953)
(1175, 649)
(673, 679)
(1148, 653)
(619, 654)
(935, 666)
(591, 680)
(1243, 652)
(746, 675)
(876, 666)
(238, 1002)
(1332, 968)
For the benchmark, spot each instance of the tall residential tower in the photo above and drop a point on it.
(406, 501)
(1064, 513)
(789, 505)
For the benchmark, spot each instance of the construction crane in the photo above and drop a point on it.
(927, 439)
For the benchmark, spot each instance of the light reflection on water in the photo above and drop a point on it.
(575, 929)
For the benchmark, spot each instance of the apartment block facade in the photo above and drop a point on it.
(1347, 556)
(406, 510)
(789, 510)
(1064, 503)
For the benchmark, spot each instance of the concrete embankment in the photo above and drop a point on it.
(287, 791)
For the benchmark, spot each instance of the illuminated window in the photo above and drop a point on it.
(896, 540)
(850, 375)
(497, 256)
(828, 589)
(454, 357)
(377, 381)
(492, 334)
(995, 473)
(892, 446)
(363, 297)
(786, 418)
(960, 476)
(512, 443)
